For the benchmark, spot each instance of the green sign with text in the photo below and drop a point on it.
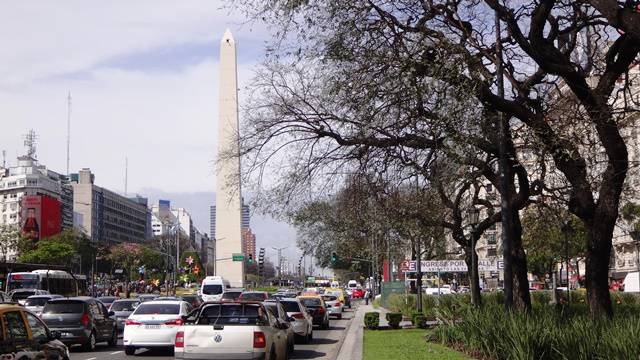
(238, 257)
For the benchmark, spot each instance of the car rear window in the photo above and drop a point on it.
(252, 296)
(21, 295)
(159, 309)
(124, 305)
(311, 302)
(231, 295)
(212, 289)
(329, 298)
(64, 307)
(231, 314)
(290, 306)
(36, 302)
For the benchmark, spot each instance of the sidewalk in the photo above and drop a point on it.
(352, 346)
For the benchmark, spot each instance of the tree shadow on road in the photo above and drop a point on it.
(323, 341)
(307, 354)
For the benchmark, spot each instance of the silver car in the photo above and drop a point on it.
(300, 320)
(35, 303)
(122, 309)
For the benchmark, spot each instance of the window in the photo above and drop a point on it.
(16, 328)
(489, 188)
(38, 330)
(491, 239)
(491, 252)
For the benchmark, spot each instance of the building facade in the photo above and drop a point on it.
(107, 216)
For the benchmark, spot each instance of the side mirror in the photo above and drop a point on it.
(111, 313)
(291, 319)
(56, 335)
(284, 326)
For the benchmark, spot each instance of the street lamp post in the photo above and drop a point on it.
(567, 230)
(473, 215)
(635, 235)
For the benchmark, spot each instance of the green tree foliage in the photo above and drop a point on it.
(549, 235)
(9, 238)
(55, 250)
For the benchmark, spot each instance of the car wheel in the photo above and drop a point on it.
(114, 338)
(129, 350)
(90, 345)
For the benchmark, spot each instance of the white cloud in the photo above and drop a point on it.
(163, 119)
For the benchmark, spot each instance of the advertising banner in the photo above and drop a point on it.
(409, 266)
(41, 216)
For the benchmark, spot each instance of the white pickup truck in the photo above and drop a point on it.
(235, 330)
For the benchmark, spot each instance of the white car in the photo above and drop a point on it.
(300, 320)
(436, 291)
(334, 306)
(153, 324)
(212, 288)
(233, 330)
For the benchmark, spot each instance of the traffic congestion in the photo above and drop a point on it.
(208, 321)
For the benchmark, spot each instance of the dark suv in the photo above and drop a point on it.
(81, 320)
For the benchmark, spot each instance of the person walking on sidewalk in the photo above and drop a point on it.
(367, 295)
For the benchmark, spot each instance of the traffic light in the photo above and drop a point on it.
(334, 258)
(261, 262)
(250, 260)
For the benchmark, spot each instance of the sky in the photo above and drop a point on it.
(144, 86)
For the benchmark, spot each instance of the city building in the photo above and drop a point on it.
(107, 216)
(164, 218)
(29, 189)
(249, 243)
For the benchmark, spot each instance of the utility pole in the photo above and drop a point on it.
(68, 130)
(505, 204)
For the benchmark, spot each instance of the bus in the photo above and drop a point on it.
(54, 281)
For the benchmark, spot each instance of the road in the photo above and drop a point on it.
(325, 345)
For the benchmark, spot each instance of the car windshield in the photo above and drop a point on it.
(212, 289)
(63, 307)
(157, 309)
(252, 296)
(311, 302)
(36, 302)
(231, 295)
(124, 305)
(231, 314)
(290, 306)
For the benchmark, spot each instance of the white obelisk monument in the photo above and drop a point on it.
(228, 193)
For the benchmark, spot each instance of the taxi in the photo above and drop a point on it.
(25, 336)
(342, 296)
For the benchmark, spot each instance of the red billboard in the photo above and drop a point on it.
(41, 216)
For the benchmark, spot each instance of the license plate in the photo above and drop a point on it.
(66, 334)
(152, 326)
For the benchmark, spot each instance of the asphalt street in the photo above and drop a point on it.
(325, 345)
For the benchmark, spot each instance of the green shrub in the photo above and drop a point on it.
(372, 320)
(542, 297)
(394, 320)
(401, 303)
(545, 333)
(419, 320)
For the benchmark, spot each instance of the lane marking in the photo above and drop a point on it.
(115, 352)
(93, 358)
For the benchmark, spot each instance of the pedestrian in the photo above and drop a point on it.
(367, 294)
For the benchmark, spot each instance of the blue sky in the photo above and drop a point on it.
(144, 82)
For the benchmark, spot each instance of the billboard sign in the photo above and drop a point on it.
(410, 266)
(41, 216)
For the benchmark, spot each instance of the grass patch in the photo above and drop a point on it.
(404, 344)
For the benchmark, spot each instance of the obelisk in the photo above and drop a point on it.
(228, 193)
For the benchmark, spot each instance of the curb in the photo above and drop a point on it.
(354, 337)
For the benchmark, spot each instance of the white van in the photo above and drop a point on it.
(631, 282)
(352, 284)
(212, 288)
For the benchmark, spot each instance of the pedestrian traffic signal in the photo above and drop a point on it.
(334, 258)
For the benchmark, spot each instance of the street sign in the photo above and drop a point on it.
(311, 279)
(410, 266)
(238, 257)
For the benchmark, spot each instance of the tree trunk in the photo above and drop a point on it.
(521, 296)
(599, 235)
(474, 281)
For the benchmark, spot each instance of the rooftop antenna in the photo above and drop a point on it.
(126, 174)
(4, 159)
(68, 128)
(30, 142)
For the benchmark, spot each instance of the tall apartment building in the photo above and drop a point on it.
(248, 242)
(107, 216)
(164, 217)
